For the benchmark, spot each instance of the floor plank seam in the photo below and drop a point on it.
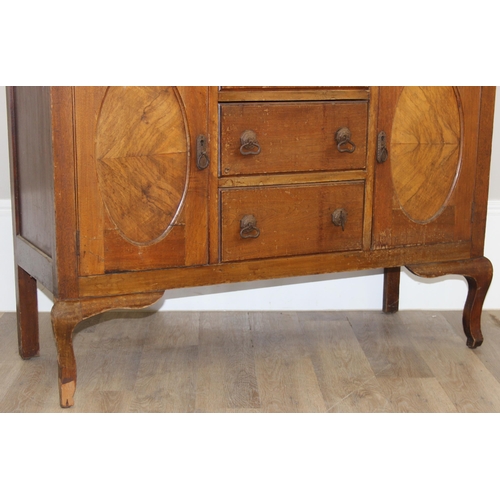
(363, 384)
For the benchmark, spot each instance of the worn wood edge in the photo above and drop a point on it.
(27, 315)
(66, 394)
(479, 273)
(292, 95)
(371, 148)
(298, 178)
(34, 262)
(11, 129)
(484, 138)
(392, 277)
(305, 265)
(66, 315)
(213, 207)
(64, 157)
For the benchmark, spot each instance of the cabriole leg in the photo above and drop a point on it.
(65, 317)
(67, 314)
(478, 273)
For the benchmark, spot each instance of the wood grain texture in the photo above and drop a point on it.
(459, 371)
(371, 162)
(425, 149)
(213, 177)
(236, 272)
(65, 317)
(285, 373)
(260, 362)
(167, 372)
(478, 273)
(226, 378)
(489, 354)
(392, 225)
(143, 156)
(31, 158)
(296, 178)
(484, 139)
(294, 137)
(389, 351)
(134, 165)
(292, 220)
(26, 387)
(65, 264)
(263, 94)
(91, 210)
(35, 263)
(345, 376)
(27, 315)
(124, 227)
(415, 395)
(392, 277)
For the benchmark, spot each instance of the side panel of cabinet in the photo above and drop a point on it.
(424, 191)
(142, 202)
(31, 164)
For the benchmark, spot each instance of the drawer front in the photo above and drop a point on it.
(292, 137)
(291, 220)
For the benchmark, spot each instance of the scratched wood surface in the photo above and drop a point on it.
(134, 160)
(425, 149)
(298, 137)
(420, 192)
(412, 361)
(143, 160)
(292, 220)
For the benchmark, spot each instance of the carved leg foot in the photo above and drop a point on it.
(27, 315)
(478, 273)
(67, 314)
(65, 317)
(391, 289)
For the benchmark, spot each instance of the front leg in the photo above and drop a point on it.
(66, 314)
(478, 273)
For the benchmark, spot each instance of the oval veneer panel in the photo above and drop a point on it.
(142, 151)
(425, 150)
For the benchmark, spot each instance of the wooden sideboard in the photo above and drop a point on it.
(120, 193)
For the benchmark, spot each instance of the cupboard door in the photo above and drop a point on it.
(424, 189)
(142, 200)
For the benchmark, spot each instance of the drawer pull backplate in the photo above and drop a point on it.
(344, 143)
(249, 143)
(249, 228)
(339, 218)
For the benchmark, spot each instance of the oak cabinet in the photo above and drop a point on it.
(120, 193)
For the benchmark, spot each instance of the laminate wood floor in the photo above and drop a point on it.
(411, 361)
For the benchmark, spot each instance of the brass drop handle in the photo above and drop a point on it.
(249, 228)
(339, 218)
(249, 143)
(344, 143)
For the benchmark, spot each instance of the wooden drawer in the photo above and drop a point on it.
(291, 220)
(293, 137)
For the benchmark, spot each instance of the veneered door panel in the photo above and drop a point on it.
(424, 190)
(139, 189)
